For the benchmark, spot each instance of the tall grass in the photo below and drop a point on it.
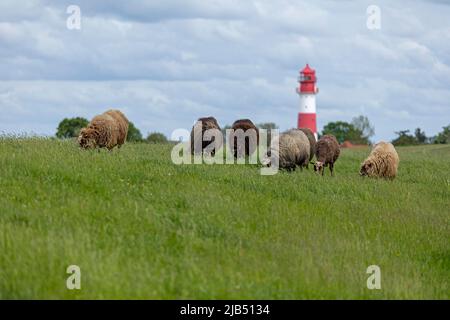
(141, 227)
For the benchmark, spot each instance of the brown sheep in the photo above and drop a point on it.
(250, 138)
(107, 130)
(204, 124)
(382, 162)
(327, 152)
(312, 142)
(123, 125)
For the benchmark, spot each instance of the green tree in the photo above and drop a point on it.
(363, 124)
(404, 139)
(156, 137)
(444, 136)
(134, 135)
(70, 127)
(420, 136)
(344, 131)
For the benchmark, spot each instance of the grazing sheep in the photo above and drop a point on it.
(249, 134)
(304, 147)
(123, 125)
(204, 124)
(107, 130)
(382, 162)
(327, 152)
(312, 142)
(293, 150)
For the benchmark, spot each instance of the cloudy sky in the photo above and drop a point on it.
(166, 63)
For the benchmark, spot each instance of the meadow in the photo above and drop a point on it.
(140, 227)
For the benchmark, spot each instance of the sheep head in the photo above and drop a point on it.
(86, 139)
(367, 169)
(318, 166)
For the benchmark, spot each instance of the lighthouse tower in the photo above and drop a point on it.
(307, 91)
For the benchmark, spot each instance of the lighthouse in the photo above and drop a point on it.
(307, 90)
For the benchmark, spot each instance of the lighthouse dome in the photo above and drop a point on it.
(307, 74)
(308, 69)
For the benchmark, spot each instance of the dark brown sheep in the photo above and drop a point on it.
(244, 138)
(107, 130)
(202, 125)
(327, 152)
(312, 142)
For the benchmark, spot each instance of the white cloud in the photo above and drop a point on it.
(168, 63)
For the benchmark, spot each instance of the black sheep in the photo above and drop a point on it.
(207, 123)
(248, 145)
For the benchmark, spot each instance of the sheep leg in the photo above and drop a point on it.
(331, 169)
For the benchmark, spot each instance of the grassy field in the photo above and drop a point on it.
(141, 227)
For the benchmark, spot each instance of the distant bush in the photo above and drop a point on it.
(134, 135)
(444, 136)
(405, 139)
(156, 137)
(70, 127)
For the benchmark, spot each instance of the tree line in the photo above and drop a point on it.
(358, 131)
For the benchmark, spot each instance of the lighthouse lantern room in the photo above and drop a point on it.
(307, 91)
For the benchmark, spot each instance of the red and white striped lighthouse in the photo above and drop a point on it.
(307, 91)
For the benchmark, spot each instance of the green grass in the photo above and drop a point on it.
(141, 227)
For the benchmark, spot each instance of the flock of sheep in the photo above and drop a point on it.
(291, 149)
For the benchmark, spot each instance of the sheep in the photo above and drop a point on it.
(291, 149)
(304, 147)
(197, 133)
(244, 138)
(382, 162)
(107, 130)
(312, 141)
(123, 125)
(327, 152)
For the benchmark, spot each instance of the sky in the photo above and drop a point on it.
(167, 63)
